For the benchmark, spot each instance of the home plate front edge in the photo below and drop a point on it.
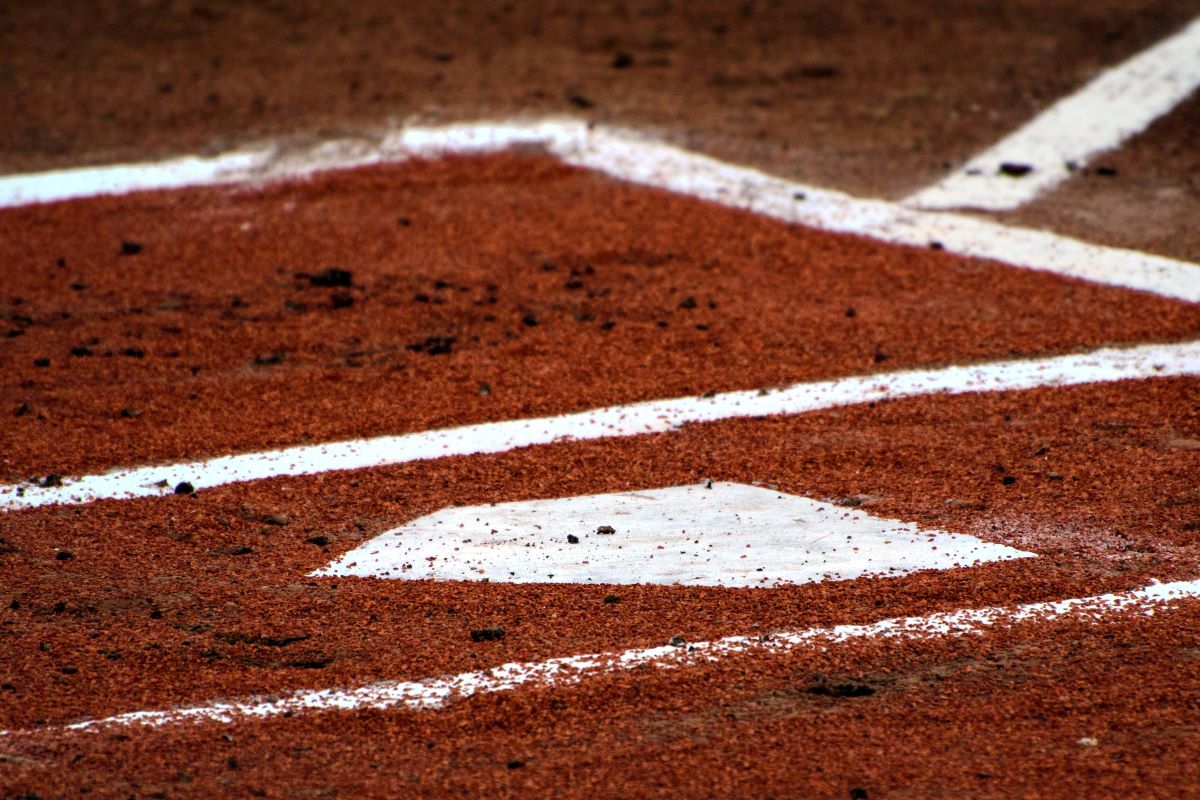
(708, 534)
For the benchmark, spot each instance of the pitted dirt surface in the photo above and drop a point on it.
(873, 98)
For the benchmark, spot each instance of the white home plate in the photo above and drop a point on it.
(727, 535)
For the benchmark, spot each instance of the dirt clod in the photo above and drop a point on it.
(334, 277)
(487, 634)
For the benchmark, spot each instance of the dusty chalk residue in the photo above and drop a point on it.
(435, 693)
(708, 534)
(634, 419)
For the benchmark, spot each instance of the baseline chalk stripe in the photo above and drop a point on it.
(635, 419)
(629, 156)
(1117, 104)
(436, 693)
(709, 534)
(623, 155)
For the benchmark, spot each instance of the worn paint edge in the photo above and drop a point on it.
(632, 156)
(436, 693)
(1117, 104)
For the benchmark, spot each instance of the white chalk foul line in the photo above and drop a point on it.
(1117, 104)
(436, 693)
(635, 419)
(629, 156)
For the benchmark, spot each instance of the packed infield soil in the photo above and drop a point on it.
(188, 598)
(1144, 196)
(177, 325)
(1044, 710)
(876, 98)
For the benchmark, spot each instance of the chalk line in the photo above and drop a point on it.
(630, 156)
(633, 419)
(1117, 104)
(436, 693)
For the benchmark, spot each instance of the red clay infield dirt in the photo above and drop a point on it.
(171, 326)
(184, 324)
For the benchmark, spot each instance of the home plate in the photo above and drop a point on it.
(710, 534)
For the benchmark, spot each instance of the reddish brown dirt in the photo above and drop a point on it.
(994, 716)
(561, 290)
(876, 98)
(1145, 196)
(161, 604)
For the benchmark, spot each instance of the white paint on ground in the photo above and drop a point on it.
(1117, 104)
(709, 534)
(629, 156)
(435, 693)
(634, 419)
(176, 173)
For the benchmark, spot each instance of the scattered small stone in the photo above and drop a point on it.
(688, 303)
(856, 500)
(1015, 170)
(41, 362)
(1008, 480)
(936, 246)
(332, 278)
(487, 635)
(572, 539)
(610, 599)
(606, 530)
(484, 389)
(799, 196)
(516, 764)
(133, 352)
(1053, 476)
(580, 101)
(341, 300)
(622, 61)
(129, 248)
(63, 555)
(243, 550)
(276, 519)
(69, 670)
(1088, 741)
(319, 541)
(22, 410)
(156, 614)
(858, 793)
(677, 641)
(530, 320)
(50, 481)
(607, 325)
(183, 487)
(129, 412)
(1107, 172)
(80, 351)
(851, 313)
(269, 359)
